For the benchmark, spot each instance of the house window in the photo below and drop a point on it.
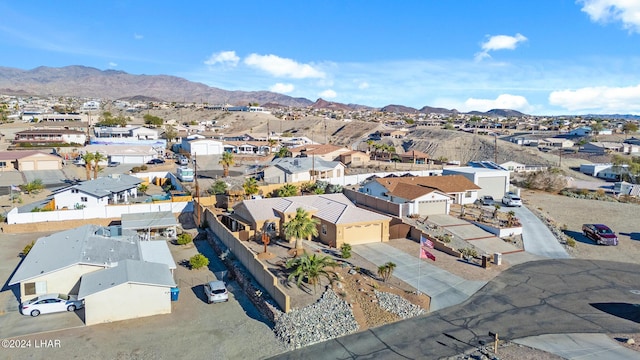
(84, 199)
(467, 194)
(3, 164)
(324, 229)
(34, 288)
(74, 191)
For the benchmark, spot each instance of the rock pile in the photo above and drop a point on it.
(328, 318)
(398, 305)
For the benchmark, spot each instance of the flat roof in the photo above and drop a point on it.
(157, 220)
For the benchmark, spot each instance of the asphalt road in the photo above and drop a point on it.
(537, 237)
(535, 298)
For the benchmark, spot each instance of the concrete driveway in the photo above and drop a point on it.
(558, 296)
(444, 288)
(537, 237)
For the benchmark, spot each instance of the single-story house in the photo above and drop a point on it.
(492, 182)
(414, 157)
(581, 131)
(340, 221)
(26, 160)
(125, 154)
(103, 191)
(354, 158)
(517, 167)
(58, 262)
(556, 143)
(50, 137)
(450, 189)
(130, 290)
(127, 132)
(326, 152)
(289, 170)
(602, 147)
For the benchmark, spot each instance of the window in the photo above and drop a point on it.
(84, 199)
(324, 229)
(3, 164)
(467, 194)
(74, 191)
(41, 287)
(30, 288)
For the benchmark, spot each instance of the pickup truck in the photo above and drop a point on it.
(600, 233)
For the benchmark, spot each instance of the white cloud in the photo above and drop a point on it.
(328, 94)
(138, 36)
(499, 42)
(601, 99)
(504, 101)
(283, 67)
(282, 88)
(604, 11)
(363, 85)
(223, 57)
(112, 64)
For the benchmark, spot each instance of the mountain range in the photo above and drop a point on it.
(88, 82)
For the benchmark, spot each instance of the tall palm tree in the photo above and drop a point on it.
(226, 162)
(282, 153)
(302, 226)
(272, 143)
(250, 187)
(311, 267)
(97, 157)
(88, 163)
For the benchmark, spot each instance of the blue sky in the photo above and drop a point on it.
(544, 57)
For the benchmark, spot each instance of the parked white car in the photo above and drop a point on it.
(51, 303)
(511, 199)
(216, 291)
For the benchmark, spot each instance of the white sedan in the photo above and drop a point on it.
(51, 303)
(512, 200)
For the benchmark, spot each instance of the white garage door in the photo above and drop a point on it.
(432, 207)
(362, 234)
(47, 165)
(494, 186)
(28, 165)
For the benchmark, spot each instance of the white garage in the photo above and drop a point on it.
(124, 154)
(202, 147)
(493, 182)
(130, 290)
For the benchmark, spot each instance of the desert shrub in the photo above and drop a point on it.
(550, 180)
(27, 248)
(445, 238)
(143, 167)
(345, 251)
(468, 253)
(184, 239)
(135, 169)
(571, 241)
(198, 261)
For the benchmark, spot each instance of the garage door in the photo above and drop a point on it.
(362, 234)
(27, 165)
(47, 165)
(426, 208)
(494, 186)
(131, 159)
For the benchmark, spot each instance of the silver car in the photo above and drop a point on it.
(51, 303)
(216, 291)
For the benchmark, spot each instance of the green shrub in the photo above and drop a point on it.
(345, 250)
(184, 239)
(27, 248)
(198, 261)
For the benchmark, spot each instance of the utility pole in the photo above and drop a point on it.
(325, 131)
(195, 178)
(495, 149)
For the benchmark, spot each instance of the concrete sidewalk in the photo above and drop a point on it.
(580, 346)
(444, 288)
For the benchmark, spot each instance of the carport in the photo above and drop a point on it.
(150, 225)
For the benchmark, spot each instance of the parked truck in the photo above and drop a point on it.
(600, 233)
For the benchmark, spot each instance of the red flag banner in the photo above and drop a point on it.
(424, 254)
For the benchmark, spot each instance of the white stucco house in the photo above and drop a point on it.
(195, 145)
(291, 170)
(493, 182)
(117, 275)
(125, 154)
(103, 191)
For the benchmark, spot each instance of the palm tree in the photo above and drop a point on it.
(250, 187)
(311, 267)
(386, 270)
(288, 190)
(226, 161)
(511, 217)
(302, 226)
(282, 153)
(271, 142)
(88, 161)
(495, 211)
(97, 157)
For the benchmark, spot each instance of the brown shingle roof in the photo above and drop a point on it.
(447, 184)
(410, 191)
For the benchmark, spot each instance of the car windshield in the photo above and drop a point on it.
(605, 231)
(515, 198)
(219, 291)
(63, 296)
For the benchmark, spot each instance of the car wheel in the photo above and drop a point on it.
(35, 313)
(71, 308)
